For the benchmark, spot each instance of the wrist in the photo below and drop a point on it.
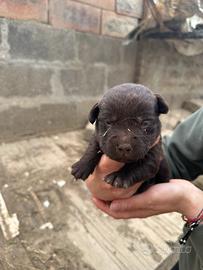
(192, 202)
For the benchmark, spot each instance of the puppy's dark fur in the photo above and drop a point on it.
(127, 128)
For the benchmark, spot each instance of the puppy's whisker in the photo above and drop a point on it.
(129, 130)
(105, 132)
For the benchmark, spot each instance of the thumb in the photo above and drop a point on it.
(107, 165)
(133, 203)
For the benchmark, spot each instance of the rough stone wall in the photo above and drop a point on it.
(57, 57)
(163, 69)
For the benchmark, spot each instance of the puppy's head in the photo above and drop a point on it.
(127, 121)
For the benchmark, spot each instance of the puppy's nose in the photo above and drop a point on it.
(124, 148)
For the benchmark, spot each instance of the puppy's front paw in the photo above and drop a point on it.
(117, 180)
(80, 170)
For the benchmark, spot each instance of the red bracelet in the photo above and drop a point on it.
(191, 224)
(192, 220)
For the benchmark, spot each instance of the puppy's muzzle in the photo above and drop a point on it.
(124, 149)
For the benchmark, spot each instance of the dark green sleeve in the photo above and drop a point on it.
(184, 149)
(184, 152)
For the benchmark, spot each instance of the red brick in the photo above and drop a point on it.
(26, 10)
(117, 25)
(130, 7)
(106, 4)
(75, 15)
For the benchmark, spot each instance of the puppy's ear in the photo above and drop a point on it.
(94, 113)
(162, 106)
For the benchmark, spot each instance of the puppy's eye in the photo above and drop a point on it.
(147, 126)
(108, 123)
(146, 123)
(148, 130)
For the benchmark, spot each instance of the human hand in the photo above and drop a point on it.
(176, 196)
(103, 191)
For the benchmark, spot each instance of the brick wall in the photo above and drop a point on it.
(104, 17)
(57, 58)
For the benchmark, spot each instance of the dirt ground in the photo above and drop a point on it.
(30, 189)
(54, 212)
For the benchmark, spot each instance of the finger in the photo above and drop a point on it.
(107, 165)
(102, 205)
(127, 192)
(135, 186)
(105, 207)
(134, 203)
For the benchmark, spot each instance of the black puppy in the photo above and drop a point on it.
(127, 130)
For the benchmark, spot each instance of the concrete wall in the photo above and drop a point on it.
(163, 69)
(57, 57)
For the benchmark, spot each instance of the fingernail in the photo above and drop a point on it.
(114, 207)
(94, 199)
